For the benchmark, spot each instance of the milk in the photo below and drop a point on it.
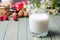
(5, 1)
(38, 23)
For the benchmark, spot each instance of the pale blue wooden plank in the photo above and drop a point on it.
(3, 28)
(29, 33)
(35, 38)
(46, 38)
(12, 30)
(57, 20)
(0, 22)
(54, 26)
(55, 32)
(22, 29)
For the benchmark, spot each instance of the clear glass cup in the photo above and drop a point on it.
(38, 22)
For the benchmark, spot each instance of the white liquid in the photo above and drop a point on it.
(3, 1)
(38, 23)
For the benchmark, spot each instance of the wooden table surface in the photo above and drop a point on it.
(19, 30)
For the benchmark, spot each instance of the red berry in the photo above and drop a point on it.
(1, 18)
(17, 7)
(20, 6)
(15, 18)
(6, 17)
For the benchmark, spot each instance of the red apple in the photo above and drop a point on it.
(1, 18)
(15, 18)
(6, 17)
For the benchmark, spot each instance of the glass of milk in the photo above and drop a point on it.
(38, 22)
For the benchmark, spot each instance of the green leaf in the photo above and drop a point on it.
(37, 2)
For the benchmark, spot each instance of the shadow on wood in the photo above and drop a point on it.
(51, 33)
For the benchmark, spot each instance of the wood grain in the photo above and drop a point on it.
(12, 30)
(3, 27)
(22, 29)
